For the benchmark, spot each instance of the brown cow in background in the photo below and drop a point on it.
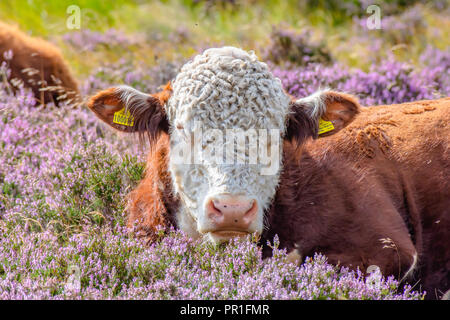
(38, 64)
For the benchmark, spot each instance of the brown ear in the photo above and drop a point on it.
(129, 110)
(341, 110)
(321, 114)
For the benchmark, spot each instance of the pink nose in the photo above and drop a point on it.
(231, 213)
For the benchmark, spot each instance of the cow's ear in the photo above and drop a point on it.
(320, 114)
(129, 110)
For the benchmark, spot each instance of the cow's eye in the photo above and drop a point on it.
(210, 139)
(180, 129)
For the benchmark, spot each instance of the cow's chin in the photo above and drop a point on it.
(226, 235)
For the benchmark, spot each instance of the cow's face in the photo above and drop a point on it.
(225, 105)
(227, 117)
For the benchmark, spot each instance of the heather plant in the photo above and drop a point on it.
(406, 34)
(88, 40)
(57, 168)
(140, 76)
(113, 265)
(288, 46)
(385, 83)
(345, 9)
(403, 28)
(435, 58)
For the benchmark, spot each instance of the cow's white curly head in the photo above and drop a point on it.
(221, 92)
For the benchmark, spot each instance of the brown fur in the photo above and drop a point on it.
(373, 194)
(407, 147)
(39, 64)
(152, 203)
(164, 95)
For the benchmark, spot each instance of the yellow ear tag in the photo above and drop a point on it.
(124, 117)
(325, 126)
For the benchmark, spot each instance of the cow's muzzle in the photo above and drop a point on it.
(230, 215)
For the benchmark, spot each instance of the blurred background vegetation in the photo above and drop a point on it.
(279, 30)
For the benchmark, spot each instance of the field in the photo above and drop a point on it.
(64, 176)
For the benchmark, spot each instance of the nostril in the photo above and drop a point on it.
(214, 208)
(251, 211)
(217, 206)
(251, 206)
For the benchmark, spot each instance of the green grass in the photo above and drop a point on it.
(50, 17)
(247, 25)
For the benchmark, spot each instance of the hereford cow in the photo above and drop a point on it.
(38, 64)
(373, 192)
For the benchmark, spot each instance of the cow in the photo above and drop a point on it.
(38, 65)
(372, 191)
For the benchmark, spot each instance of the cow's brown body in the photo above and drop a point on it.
(375, 193)
(39, 64)
(384, 176)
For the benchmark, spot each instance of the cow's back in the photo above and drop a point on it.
(407, 146)
(36, 61)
